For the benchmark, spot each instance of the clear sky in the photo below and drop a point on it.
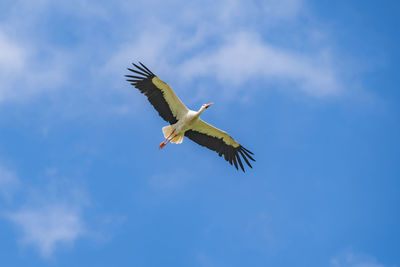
(311, 87)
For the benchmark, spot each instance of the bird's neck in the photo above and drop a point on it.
(198, 113)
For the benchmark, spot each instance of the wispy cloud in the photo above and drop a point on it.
(9, 183)
(282, 9)
(53, 213)
(12, 62)
(225, 43)
(232, 42)
(169, 182)
(22, 74)
(48, 217)
(12, 56)
(49, 226)
(351, 259)
(245, 56)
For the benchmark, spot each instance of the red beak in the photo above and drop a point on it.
(209, 105)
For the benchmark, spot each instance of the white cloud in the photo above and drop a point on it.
(282, 9)
(224, 43)
(50, 216)
(49, 226)
(170, 181)
(245, 56)
(8, 183)
(149, 46)
(12, 56)
(351, 259)
(183, 42)
(234, 12)
(22, 74)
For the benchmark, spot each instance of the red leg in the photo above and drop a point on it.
(166, 141)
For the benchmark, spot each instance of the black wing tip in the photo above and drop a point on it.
(235, 157)
(235, 162)
(245, 155)
(247, 152)
(144, 71)
(232, 154)
(141, 78)
(242, 147)
(239, 161)
(145, 68)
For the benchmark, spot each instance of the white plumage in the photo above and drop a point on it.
(186, 122)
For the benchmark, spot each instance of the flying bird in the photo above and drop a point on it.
(185, 122)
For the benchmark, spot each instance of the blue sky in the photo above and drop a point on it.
(311, 87)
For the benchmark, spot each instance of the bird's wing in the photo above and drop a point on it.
(207, 135)
(159, 94)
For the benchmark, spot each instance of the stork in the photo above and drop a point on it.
(185, 122)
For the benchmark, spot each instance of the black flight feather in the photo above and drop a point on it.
(156, 97)
(153, 93)
(231, 154)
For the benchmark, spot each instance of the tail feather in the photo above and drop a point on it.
(167, 130)
(177, 139)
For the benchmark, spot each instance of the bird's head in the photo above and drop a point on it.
(205, 106)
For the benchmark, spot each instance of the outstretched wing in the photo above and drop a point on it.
(207, 135)
(159, 94)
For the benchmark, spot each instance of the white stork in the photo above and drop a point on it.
(186, 122)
